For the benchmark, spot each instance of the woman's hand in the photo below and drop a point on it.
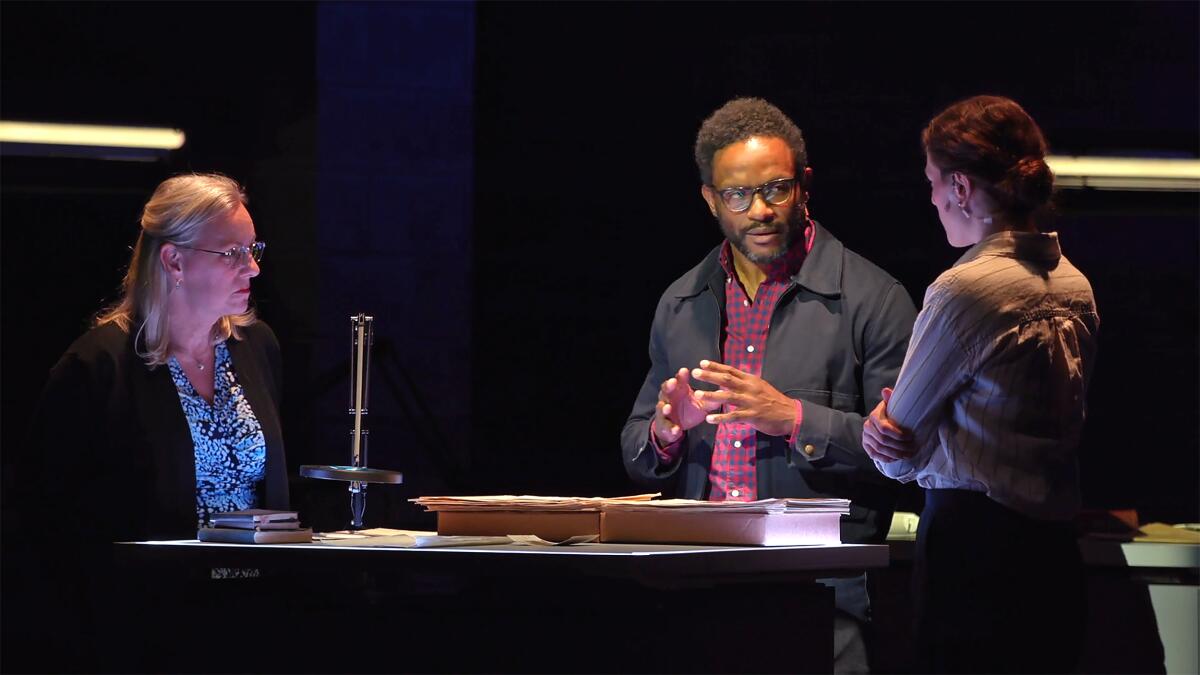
(883, 439)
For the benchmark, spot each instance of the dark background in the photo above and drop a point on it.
(508, 187)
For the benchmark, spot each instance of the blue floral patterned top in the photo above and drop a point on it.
(231, 452)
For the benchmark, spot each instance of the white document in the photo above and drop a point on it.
(382, 537)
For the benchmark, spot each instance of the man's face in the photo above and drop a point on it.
(763, 232)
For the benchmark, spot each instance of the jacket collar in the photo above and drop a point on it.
(821, 272)
(1032, 246)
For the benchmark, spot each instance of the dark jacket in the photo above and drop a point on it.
(111, 432)
(838, 336)
(110, 458)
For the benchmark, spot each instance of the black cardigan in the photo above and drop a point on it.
(113, 453)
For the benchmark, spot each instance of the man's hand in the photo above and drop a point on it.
(755, 401)
(677, 410)
(883, 439)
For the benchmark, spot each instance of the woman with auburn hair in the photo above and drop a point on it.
(988, 408)
(167, 411)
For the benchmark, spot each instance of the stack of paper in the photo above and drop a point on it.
(256, 526)
(766, 522)
(839, 506)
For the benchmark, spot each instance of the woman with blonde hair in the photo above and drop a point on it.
(989, 405)
(167, 410)
(164, 413)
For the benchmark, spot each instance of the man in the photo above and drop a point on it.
(766, 356)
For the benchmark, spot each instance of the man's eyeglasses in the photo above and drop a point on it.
(776, 192)
(238, 255)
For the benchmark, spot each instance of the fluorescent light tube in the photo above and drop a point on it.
(91, 135)
(41, 139)
(1125, 173)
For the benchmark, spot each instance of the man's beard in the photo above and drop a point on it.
(793, 227)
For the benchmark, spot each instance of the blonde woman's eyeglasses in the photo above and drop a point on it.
(238, 255)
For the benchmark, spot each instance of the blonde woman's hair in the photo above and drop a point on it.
(177, 213)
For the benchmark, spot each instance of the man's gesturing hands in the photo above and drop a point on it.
(678, 409)
(753, 400)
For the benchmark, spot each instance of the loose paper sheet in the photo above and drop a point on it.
(534, 540)
(382, 537)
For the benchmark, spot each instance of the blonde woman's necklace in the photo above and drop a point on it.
(199, 364)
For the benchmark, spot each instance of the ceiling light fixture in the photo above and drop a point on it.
(1125, 173)
(87, 140)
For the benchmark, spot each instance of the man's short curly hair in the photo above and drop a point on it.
(740, 119)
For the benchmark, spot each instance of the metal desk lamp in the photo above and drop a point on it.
(357, 473)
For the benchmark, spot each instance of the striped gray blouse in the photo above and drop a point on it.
(994, 382)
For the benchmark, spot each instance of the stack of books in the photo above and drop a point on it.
(256, 526)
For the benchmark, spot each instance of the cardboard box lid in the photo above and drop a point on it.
(549, 525)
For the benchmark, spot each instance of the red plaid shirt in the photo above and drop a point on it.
(732, 475)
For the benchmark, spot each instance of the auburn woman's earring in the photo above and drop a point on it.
(178, 283)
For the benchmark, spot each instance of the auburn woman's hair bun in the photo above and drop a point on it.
(993, 139)
(1029, 183)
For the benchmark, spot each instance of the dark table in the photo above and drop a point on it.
(510, 608)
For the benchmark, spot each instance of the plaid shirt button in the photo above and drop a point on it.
(750, 348)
